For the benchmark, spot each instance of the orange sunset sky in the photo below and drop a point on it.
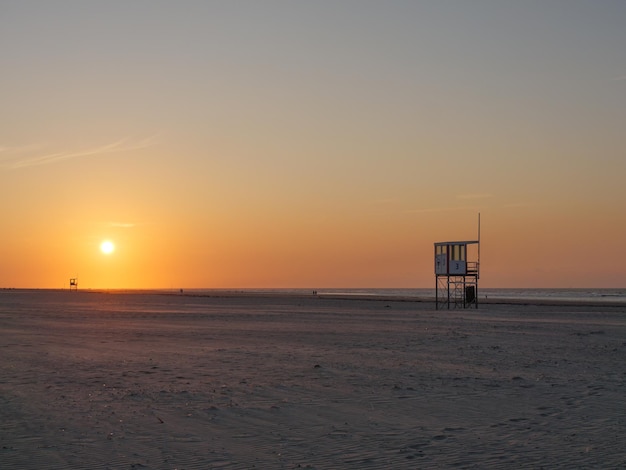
(223, 144)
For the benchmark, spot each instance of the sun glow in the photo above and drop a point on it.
(107, 247)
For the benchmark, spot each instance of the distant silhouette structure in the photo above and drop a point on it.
(73, 283)
(457, 270)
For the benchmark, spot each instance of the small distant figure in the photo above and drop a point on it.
(181, 291)
(73, 283)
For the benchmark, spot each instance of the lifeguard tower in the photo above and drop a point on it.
(73, 283)
(457, 270)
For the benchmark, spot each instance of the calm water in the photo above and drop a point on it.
(583, 295)
(594, 295)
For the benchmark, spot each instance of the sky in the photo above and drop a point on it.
(285, 144)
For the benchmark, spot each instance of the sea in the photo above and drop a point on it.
(581, 295)
(594, 295)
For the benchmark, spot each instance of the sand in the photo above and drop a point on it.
(138, 381)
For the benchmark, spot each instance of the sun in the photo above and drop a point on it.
(107, 247)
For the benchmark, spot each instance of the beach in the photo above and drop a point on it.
(168, 381)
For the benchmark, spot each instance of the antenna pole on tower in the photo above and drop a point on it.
(479, 240)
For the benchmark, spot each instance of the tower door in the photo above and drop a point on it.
(458, 259)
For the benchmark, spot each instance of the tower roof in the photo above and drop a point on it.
(466, 242)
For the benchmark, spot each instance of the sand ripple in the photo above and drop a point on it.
(161, 382)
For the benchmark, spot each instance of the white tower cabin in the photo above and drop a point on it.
(456, 274)
(73, 283)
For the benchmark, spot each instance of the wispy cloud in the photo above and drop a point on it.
(20, 149)
(14, 159)
(619, 79)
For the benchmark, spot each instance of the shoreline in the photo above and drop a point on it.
(356, 296)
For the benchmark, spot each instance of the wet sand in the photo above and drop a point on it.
(145, 381)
